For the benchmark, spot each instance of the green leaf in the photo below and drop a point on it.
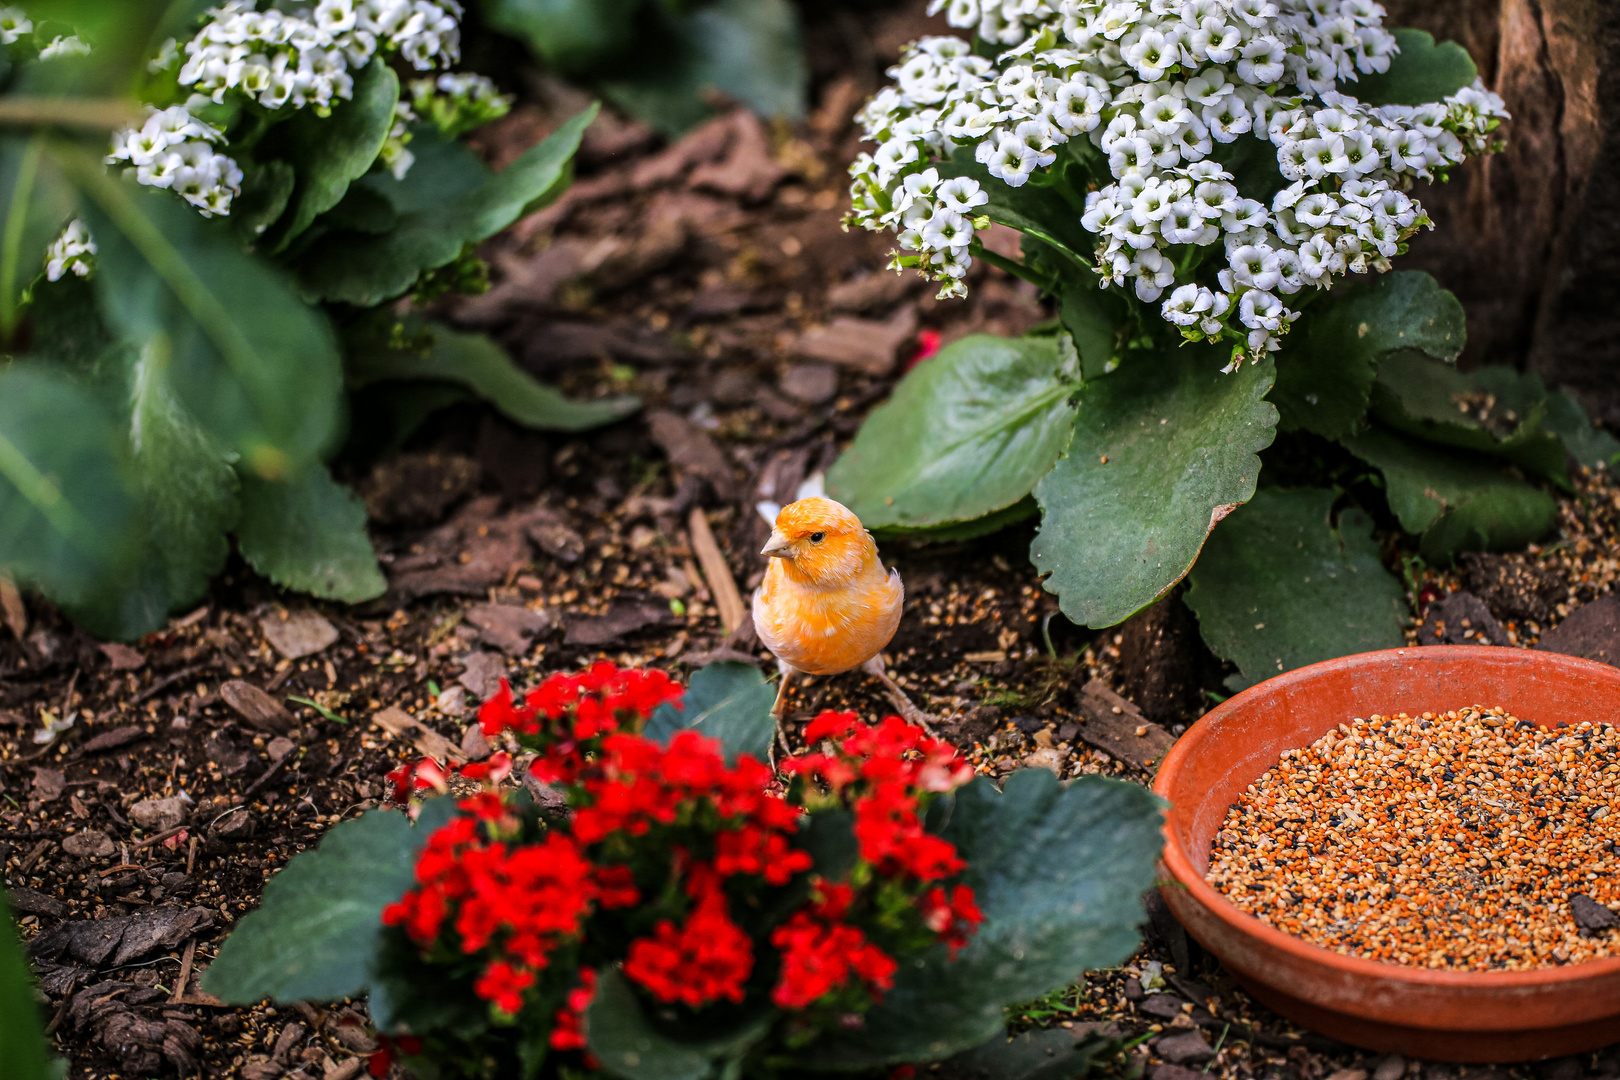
(1059, 871)
(37, 205)
(65, 510)
(436, 221)
(1053, 1054)
(1420, 73)
(22, 1047)
(573, 36)
(1327, 365)
(725, 701)
(266, 190)
(1457, 501)
(328, 153)
(1278, 587)
(1021, 510)
(1181, 441)
(966, 434)
(255, 365)
(1493, 410)
(309, 533)
(386, 415)
(318, 930)
(750, 50)
(1591, 446)
(477, 362)
(629, 1046)
(188, 503)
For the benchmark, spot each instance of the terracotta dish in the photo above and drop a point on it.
(1488, 1016)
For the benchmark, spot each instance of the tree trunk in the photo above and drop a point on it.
(1529, 239)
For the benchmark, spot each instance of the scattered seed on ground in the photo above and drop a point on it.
(1470, 840)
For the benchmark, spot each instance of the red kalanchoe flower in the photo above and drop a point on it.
(502, 985)
(568, 1032)
(821, 954)
(496, 769)
(952, 919)
(382, 1059)
(704, 960)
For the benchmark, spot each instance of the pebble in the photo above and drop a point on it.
(1463, 840)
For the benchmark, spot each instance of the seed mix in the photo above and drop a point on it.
(1468, 840)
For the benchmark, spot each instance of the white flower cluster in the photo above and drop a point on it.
(1161, 89)
(71, 45)
(70, 252)
(175, 150)
(14, 25)
(394, 157)
(282, 59)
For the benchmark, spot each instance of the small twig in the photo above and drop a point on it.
(11, 606)
(33, 857)
(98, 114)
(191, 854)
(160, 837)
(722, 585)
(169, 680)
(185, 972)
(269, 774)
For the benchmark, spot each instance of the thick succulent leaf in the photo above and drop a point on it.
(1180, 441)
(1492, 410)
(318, 930)
(725, 701)
(1052, 1054)
(1327, 365)
(37, 204)
(966, 434)
(266, 190)
(66, 515)
(1059, 871)
(188, 503)
(309, 533)
(1421, 72)
(752, 51)
(437, 220)
(384, 416)
(1591, 446)
(573, 36)
(1278, 587)
(477, 362)
(1456, 500)
(252, 362)
(1022, 510)
(625, 1041)
(22, 1046)
(329, 153)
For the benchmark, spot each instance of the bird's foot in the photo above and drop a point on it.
(903, 704)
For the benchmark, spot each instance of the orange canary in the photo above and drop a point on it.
(827, 605)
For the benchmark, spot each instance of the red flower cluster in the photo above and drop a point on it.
(884, 771)
(677, 839)
(707, 958)
(821, 953)
(517, 902)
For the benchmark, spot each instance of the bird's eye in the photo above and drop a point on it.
(816, 538)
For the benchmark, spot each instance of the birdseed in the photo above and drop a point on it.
(1459, 840)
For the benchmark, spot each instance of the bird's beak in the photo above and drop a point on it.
(779, 546)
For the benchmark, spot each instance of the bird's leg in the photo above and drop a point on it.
(874, 667)
(776, 714)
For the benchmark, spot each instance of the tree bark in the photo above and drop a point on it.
(1529, 239)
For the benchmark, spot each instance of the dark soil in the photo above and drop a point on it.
(711, 278)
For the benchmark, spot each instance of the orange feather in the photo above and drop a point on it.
(826, 605)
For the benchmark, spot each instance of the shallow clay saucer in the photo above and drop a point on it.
(1488, 1016)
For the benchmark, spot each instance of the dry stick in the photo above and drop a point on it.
(11, 605)
(191, 854)
(33, 857)
(160, 837)
(185, 972)
(721, 584)
(169, 680)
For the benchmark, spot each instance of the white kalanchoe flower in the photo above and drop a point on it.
(14, 25)
(70, 252)
(175, 150)
(71, 45)
(1156, 88)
